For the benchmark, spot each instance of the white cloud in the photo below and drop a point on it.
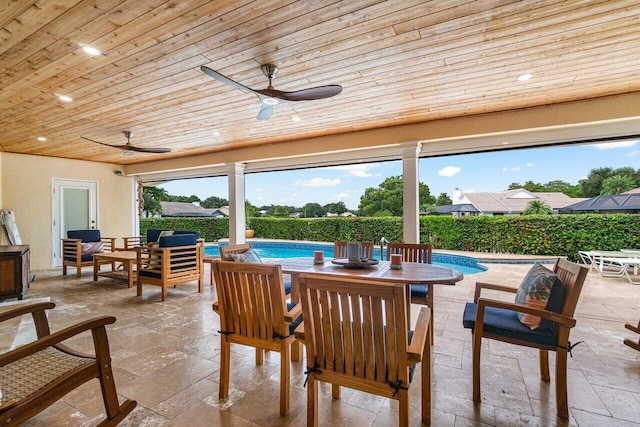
(449, 171)
(612, 145)
(319, 182)
(531, 165)
(505, 169)
(631, 154)
(516, 169)
(359, 170)
(342, 195)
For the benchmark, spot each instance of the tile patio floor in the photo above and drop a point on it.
(166, 356)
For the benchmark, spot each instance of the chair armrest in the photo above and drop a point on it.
(420, 334)
(559, 318)
(293, 314)
(492, 286)
(55, 338)
(299, 331)
(25, 309)
(216, 307)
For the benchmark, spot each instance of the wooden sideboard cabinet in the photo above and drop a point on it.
(14, 271)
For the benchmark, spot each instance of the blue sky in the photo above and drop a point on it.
(483, 172)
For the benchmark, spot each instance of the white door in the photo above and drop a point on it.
(75, 207)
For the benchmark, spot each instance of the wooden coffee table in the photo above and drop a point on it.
(127, 258)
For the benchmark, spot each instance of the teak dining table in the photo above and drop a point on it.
(411, 273)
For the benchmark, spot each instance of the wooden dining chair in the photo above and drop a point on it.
(415, 252)
(253, 312)
(36, 375)
(498, 320)
(631, 342)
(356, 335)
(340, 250)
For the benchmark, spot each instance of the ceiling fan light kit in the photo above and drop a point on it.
(269, 97)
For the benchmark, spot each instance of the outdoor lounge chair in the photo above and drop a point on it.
(80, 245)
(498, 320)
(176, 260)
(35, 375)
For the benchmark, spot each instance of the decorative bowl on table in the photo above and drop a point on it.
(362, 263)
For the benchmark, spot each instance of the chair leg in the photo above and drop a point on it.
(561, 383)
(312, 402)
(78, 271)
(430, 304)
(403, 407)
(164, 292)
(544, 365)
(259, 356)
(225, 361)
(285, 374)
(426, 385)
(477, 345)
(64, 269)
(335, 391)
(296, 351)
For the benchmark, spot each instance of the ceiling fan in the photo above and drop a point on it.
(270, 96)
(130, 149)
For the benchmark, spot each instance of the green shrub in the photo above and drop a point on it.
(560, 235)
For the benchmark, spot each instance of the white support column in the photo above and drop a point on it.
(237, 215)
(410, 188)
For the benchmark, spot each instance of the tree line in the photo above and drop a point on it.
(386, 198)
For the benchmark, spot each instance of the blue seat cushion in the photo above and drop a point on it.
(197, 233)
(295, 323)
(85, 235)
(287, 287)
(84, 258)
(177, 240)
(419, 291)
(503, 322)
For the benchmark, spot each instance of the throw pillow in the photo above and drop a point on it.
(247, 256)
(92, 248)
(164, 233)
(540, 288)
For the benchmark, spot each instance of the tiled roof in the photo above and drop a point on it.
(516, 201)
(609, 203)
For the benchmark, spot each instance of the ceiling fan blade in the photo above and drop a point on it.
(122, 147)
(310, 94)
(147, 150)
(265, 112)
(226, 80)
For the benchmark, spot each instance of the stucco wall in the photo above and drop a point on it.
(26, 187)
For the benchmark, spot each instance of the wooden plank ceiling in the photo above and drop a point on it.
(399, 61)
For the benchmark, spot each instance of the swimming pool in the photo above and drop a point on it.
(289, 249)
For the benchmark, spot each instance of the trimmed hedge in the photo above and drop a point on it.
(561, 235)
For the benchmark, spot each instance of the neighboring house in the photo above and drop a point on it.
(295, 215)
(627, 202)
(192, 209)
(510, 202)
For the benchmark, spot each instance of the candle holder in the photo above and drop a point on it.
(318, 257)
(396, 261)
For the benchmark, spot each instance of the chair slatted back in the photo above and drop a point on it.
(411, 252)
(251, 299)
(340, 250)
(226, 251)
(573, 276)
(356, 327)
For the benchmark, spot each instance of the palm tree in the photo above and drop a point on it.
(617, 184)
(537, 207)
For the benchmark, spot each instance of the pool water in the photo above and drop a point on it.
(465, 265)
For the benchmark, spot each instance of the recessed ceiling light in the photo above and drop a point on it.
(524, 77)
(505, 143)
(65, 98)
(42, 138)
(296, 119)
(128, 153)
(91, 50)
(216, 133)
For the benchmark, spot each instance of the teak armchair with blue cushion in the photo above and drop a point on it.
(356, 335)
(532, 323)
(80, 245)
(152, 236)
(243, 252)
(176, 260)
(253, 312)
(35, 375)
